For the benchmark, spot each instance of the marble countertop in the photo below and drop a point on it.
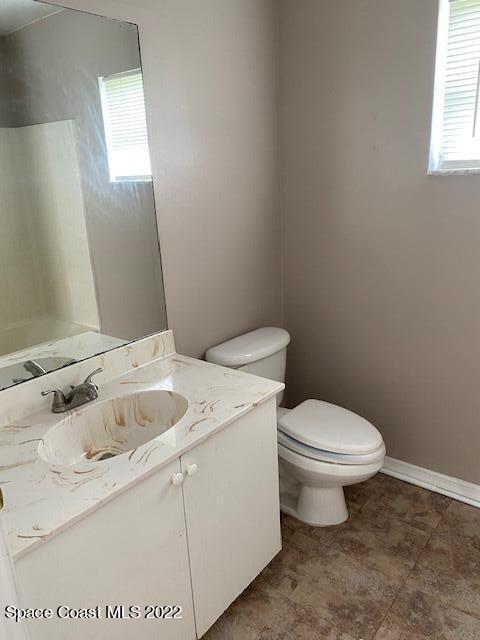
(41, 500)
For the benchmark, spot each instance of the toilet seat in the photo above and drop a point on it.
(319, 428)
(330, 456)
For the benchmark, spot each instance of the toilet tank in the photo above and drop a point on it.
(262, 352)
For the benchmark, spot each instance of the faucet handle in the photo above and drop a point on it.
(88, 379)
(55, 391)
(59, 399)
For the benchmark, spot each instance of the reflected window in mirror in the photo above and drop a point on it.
(125, 123)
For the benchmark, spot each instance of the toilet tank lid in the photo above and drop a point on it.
(249, 347)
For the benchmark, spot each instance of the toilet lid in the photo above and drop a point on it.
(326, 426)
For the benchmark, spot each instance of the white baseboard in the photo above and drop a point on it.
(446, 485)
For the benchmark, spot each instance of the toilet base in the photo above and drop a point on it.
(318, 507)
(312, 490)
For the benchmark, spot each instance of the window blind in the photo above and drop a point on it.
(123, 105)
(456, 118)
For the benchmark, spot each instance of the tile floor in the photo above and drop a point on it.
(405, 566)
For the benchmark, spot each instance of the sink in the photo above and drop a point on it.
(110, 428)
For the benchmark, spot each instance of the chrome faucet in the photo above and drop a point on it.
(34, 368)
(81, 394)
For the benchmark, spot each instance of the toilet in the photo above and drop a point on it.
(321, 446)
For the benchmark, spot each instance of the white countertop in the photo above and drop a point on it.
(41, 500)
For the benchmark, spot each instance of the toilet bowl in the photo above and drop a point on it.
(311, 477)
(321, 446)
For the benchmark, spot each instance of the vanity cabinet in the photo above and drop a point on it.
(193, 534)
(131, 551)
(232, 511)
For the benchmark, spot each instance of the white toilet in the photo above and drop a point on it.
(321, 447)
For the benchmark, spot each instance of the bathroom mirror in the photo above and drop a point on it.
(79, 255)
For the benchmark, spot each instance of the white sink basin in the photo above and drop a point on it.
(110, 428)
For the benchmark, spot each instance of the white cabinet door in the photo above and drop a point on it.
(132, 552)
(9, 629)
(232, 510)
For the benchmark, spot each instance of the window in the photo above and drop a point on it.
(455, 145)
(125, 126)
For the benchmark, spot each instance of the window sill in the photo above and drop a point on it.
(453, 172)
(130, 180)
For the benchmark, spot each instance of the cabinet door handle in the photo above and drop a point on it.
(191, 469)
(177, 479)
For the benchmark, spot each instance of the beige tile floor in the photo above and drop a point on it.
(405, 566)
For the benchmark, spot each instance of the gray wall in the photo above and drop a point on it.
(210, 82)
(382, 262)
(54, 68)
(4, 85)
